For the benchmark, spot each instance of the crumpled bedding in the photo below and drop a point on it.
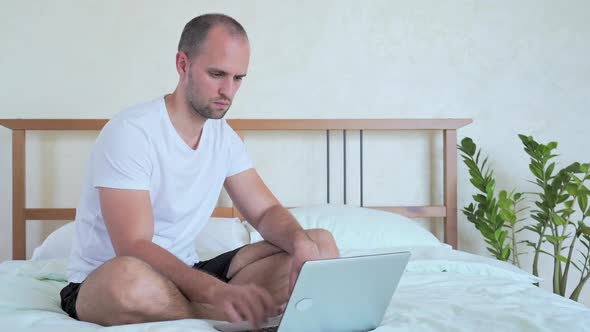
(441, 290)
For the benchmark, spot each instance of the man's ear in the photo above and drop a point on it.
(182, 63)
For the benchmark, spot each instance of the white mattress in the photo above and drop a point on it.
(441, 290)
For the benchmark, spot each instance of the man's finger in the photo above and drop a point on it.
(269, 304)
(246, 311)
(254, 306)
(232, 313)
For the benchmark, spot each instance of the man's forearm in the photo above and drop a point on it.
(279, 227)
(194, 284)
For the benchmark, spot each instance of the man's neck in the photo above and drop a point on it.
(188, 125)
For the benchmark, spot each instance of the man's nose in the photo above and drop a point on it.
(228, 88)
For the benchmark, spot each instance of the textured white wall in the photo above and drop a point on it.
(514, 67)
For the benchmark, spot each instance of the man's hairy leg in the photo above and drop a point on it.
(127, 290)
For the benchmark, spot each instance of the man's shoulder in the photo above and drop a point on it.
(141, 113)
(138, 122)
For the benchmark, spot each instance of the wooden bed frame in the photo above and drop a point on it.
(448, 211)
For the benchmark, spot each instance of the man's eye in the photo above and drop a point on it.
(217, 74)
(239, 79)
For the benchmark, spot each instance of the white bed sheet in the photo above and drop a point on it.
(470, 295)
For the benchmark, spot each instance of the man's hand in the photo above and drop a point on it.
(244, 303)
(305, 250)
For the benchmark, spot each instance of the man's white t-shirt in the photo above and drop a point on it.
(140, 149)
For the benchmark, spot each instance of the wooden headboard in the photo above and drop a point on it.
(448, 211)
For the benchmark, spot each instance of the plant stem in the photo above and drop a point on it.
(567, 266)
(515, 259)
(556, 263)
(578, 289)
(576, 292)
(536, 257)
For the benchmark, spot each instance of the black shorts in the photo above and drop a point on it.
(217, 267)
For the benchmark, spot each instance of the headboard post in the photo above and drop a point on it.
(18, 194)
(450, 185)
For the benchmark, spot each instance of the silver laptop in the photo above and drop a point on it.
(342, 294)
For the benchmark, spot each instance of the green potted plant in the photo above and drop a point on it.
(558, 217)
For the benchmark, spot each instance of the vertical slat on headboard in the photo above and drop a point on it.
(18, 194)
(450, 185)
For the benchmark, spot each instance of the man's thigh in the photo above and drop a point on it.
(249, 254)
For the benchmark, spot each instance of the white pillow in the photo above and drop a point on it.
(356, 228)
(57, 245)
(217, 236)
(221, 235)
(364, 228)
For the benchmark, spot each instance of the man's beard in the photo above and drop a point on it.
(202, 108)
(205, 111)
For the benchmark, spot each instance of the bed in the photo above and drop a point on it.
(443, 289)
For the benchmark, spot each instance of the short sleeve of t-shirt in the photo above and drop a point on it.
(239, 160)
(121, 158)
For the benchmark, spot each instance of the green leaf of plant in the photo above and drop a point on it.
(549, 171)
(490, 188)
(505, 253)
(477, 183)
(483, 164)
(507, 216)
(528, 243)
(481, 199)
(555, 239)
(557, 219)
(536, 170)
(583, 202)
(471, 165)
(562, 258)
(552, 239)
(492, 251)
(576, 266)
(468, 146)
(544, 252)
(584, 229)
(503, 236)
(505, 204)
(562, 198)
(497, 234)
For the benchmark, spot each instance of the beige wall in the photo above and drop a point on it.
(514, 67)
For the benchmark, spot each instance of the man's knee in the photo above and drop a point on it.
(130, 287)
(138, 287)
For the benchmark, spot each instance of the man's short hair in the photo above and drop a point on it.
(195, 31)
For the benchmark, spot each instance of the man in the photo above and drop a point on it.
(154, 177)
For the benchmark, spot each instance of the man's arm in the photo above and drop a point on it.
(263, 211)
(129, 220)
(276, 225)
